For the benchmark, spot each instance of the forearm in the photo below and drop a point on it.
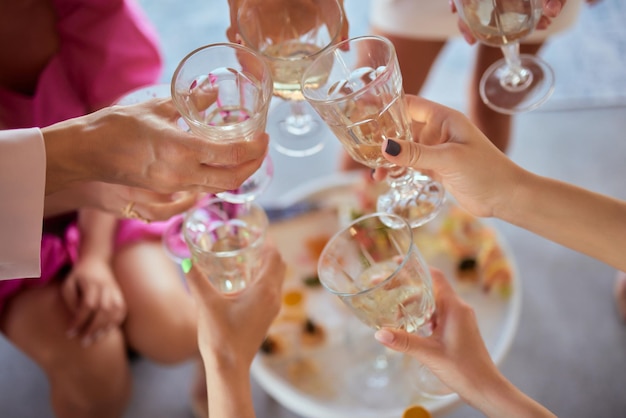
(503, 399)
(97, 232)
(582, 220)
(229, 391)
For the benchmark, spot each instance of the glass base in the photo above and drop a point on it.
(418, 199)
(295, 136)
(533, 90)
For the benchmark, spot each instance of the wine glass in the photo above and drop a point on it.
(518, 82)
(356, 87)
(223, 92)
(290, 34)
(380, 275)
(225, 241)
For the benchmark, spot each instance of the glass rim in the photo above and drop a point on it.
(313, 55)
(255, 244)
(338, 46)
(350, 225)
(267, 86)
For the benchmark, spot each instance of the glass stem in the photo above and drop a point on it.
(299, 121)
(514, 77)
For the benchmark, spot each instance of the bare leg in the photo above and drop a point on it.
(161, 322)
(91, 382)
(496, 126)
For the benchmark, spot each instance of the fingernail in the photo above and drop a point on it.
(384, 336)
(186, 265)
(372, 171)
(392, 148)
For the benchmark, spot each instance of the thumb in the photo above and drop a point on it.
(411, 154)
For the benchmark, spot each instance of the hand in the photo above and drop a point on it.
(455, 352)
(452, 150)
(142, 146)
(231, 327)
(94, 299)
(272, 8)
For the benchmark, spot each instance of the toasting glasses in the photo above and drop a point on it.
(516, 83)
(378, 272)
(223, 92)
(290, 34)
(356, 87)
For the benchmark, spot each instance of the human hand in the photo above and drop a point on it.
(94, 300)
(143, 146)
(451, 149)
(455, 352)
(232, 327)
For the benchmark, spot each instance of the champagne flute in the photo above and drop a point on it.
(380, 275)
(518, 82)
(225, 241)
(360, 97)
(290, 34)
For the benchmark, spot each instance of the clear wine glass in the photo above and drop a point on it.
(223, 92)
(356, 87)
(225, 241)
(290, 34)
(378, 272)
(518, 82)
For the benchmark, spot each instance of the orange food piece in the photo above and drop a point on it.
(416, 411)
(315, 245)
(292, 298)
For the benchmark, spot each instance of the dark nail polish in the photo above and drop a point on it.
(392, 148)
(372, 172)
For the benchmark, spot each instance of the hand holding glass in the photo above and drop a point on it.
(356, 87)
(378, 272)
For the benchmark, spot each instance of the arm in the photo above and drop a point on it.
(231, 329)
(457, 153)
(457, 354)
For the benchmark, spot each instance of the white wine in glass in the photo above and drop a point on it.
(516, 83)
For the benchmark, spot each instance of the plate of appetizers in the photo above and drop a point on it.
(315, 341)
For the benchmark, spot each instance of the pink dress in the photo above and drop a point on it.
(107, 48)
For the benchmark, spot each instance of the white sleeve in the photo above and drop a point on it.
(22, 194)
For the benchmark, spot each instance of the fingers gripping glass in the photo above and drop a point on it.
(356, 87)
(516, 83)
(290, 34)
(378, 272)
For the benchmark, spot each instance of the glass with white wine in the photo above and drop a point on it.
(360, 98)
(225, 240)
(378, 272)
(518, 82)
(290, 34)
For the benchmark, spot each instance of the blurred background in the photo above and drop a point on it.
(569, 352)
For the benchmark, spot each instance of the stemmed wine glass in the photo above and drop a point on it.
(518, 82)
(356, 87)
(290, 34)
(223, 92)
(380, 275)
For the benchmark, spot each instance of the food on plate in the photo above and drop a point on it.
(312, 334)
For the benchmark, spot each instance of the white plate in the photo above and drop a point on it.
(318, 391)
